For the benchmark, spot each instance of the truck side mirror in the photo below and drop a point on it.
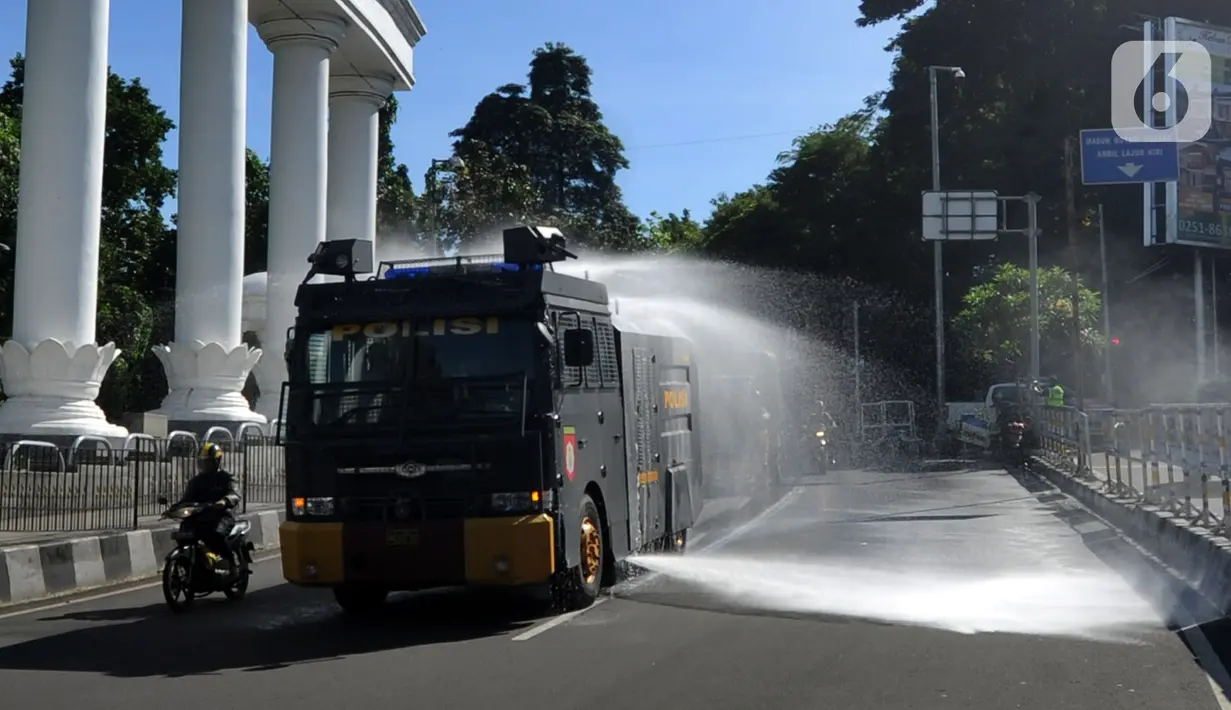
(578, 347)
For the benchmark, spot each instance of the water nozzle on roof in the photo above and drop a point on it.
(535, 245)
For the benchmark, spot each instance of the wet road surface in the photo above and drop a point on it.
(660, 642)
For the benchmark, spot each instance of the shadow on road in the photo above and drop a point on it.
(271, 629)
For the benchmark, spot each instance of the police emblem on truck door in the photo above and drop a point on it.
(570, 453)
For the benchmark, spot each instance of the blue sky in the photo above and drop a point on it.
(703, 94)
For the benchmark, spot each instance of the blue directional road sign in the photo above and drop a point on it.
(1108, 159)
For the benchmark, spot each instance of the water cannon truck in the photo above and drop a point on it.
(478, 421)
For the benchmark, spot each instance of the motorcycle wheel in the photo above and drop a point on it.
(239, 587)
(177, 585)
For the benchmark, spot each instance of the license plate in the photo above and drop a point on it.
(402, 537)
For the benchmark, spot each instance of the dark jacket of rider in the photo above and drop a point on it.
(213, 485)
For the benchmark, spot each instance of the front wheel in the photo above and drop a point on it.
(588, 579)
(239, 587)
(177, 584)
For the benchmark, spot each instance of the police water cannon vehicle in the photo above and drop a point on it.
(478, 421)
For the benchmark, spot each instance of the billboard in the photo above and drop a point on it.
(1199, 203)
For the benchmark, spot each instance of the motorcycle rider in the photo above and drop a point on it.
(213, 486)
(825, 420)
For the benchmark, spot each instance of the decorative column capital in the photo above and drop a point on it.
(52, 386)
(323, 32)
(205, 381)
(371, 88)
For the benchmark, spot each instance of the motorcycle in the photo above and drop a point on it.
(191, 571)
(1013, 448)
(824, 452)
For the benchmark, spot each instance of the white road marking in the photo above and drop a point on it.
(556, 621)
(720, 542)
(1219, 694)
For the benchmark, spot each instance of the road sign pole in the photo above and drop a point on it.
(858, 374)
(1102, 247)
(938, 258)
(1199, 296)
(1070, 191)
(1032, 234)
(1214, 311)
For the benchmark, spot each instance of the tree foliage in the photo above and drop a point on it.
(994, 322)
(543, 145)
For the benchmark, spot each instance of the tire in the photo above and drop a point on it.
(588, 575)
(359, 600)
(239, 588)
(177, 582)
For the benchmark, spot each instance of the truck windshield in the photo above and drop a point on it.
(426, 372)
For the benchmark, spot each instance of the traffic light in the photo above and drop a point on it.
(1115, 341)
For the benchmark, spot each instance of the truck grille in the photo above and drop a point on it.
(405, 509)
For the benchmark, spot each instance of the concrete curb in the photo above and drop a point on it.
(1201, 557)
(31, 573)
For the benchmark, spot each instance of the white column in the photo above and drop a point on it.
(298, 175)
(52, 368)
(207, 364)
(354, 132)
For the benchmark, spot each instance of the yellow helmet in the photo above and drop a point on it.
(210, 452)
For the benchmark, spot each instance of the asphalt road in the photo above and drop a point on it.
(845, 596)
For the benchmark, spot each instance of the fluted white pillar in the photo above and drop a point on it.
(52, 368)
(207, 364)
(354, 133)
(298, 178)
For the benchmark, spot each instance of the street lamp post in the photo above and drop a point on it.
(938, 264)
(451, 164)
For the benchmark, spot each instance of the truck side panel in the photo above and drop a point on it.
(663, 472)
(590, 425)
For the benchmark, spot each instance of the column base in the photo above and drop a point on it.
(270, 374)
(51, 389)
(206, 382)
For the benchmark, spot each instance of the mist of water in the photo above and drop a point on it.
(1082, 604)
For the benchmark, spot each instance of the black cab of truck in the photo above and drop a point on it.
(428, 418)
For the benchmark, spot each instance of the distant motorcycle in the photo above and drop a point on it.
(1013, 444)
(824, 452)
(191, 571)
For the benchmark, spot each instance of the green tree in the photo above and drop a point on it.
(813, 210)
(489, 193)
(10, 149)
(674, 233)
(256, 213)
(553, 128)
(994, 322)
(396, 206)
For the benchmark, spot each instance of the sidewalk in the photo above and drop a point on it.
(55, 564)
(1200, 555)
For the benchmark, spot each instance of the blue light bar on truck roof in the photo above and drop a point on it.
(411, 272)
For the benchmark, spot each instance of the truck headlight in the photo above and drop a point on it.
(312, 506)
(522, 502)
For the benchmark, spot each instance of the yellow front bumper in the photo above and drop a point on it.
(477, 551)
